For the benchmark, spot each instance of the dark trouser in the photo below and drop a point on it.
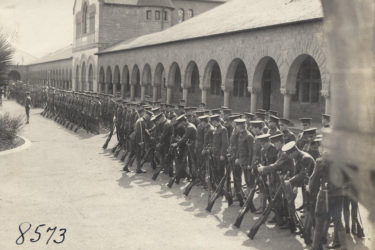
(346, 210)
(237, 178)
(335, 209)
(218, 168)
(27, 113)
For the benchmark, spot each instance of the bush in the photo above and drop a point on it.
(10, 126)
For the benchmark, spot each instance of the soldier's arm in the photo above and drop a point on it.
(224, 142)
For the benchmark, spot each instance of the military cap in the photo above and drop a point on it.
(285, 121)
(274, 119)
(256, 124)
(186, 108)
(193, 108)
(317, 141)
(240, 121)
(156, 117)
(227, 111)
(181, 118)
(147, 107)
(249, 115)
(234, 117)
(310, 131)
(273, 112)
(202, 104)
(277, 138)
(326, 116)
(261, 110)
(169, 105)
(289, 147)
(182, 101)
(199, 113)
(154, 110)
(215, 117)
(203, 117)
(180, 106)
(149, 112)
(263, 137)
(207, 112)
(260, 115)
(224, 107)
(305, 120)
(215, 111)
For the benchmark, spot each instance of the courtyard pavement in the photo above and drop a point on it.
(67, 180)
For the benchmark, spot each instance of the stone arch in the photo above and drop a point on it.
(147, 81)
(125, 83)
(192, 83)
(174, 84)
(304, 84)
(160, 83)
(108, 81)
(212, 82)
(117, 81)
(267, 83)
(14, 75)
(236, 86)
(135, 81)
(90, 78)
(101, 80)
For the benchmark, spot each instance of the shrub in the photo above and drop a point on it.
(10, 126)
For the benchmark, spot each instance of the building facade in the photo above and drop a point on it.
(220, 53)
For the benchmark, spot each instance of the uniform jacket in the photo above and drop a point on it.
(304, 166)
(220, 141)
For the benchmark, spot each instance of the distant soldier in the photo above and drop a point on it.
(28, 106)
(284, 127)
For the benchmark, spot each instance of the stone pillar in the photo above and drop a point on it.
(325, 94)
(143, 90)
(132, 92)
(106, 88)
(253, 99)
(114, 89)
(154, 93)
(287, 99)
(226, 98)
(204, 96)
(123, 91)
(169, 95)
(185, 92)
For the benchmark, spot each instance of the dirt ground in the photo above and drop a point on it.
(67, 180)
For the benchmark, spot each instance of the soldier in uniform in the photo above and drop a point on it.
(284, 128)
(326, 120)
(241, 148)
(220, 143)
(164, 141)
(27, 106)
(273, 125)
(304, 165)
(186, 146)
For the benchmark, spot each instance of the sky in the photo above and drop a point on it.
(37, 27)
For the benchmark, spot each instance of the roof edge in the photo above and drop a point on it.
(214, 35)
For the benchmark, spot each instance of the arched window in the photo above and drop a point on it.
(84, 19)
(308, 82)
(240, 82)
(181, 15)
(190, 13)
(215, 87)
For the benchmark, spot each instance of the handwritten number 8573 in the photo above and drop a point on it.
(24, 229)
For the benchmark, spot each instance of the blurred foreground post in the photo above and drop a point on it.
(350, 33)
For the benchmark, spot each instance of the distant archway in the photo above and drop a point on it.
(14, 75)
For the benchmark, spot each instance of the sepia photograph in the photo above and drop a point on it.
(187, 124)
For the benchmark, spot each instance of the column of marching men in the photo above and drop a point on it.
(259, 161)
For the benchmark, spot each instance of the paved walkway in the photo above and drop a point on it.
(66, 180)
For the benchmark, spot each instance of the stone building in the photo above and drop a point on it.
(244, 54)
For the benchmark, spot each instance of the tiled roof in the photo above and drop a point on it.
(61, 54)
(162, 3)
(235, 15)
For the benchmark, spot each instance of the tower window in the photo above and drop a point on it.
(148, 14)
(157, 15)
(165, 16)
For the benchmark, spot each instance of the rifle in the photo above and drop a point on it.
(171, 152)
(265, 214)
(220, 189)
(179, 170)
(194, 173)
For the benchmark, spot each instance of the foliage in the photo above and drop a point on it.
(10, 126)
(6, 54)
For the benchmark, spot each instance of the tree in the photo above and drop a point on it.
(6, 55)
